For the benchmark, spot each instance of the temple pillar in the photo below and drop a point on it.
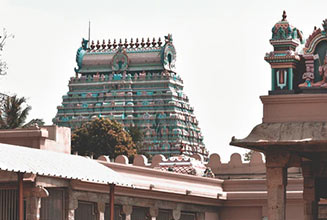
(101, 209)
(33, 202)
(127, 210)
(273, 79)
(154, 213)
(72, 205)
(276, 184)
(33, 207)
(309, 192)
(176, 214)
(290, 78)
(200, 216)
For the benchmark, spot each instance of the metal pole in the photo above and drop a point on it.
(112, 201)
(88, 43)
(20, 197)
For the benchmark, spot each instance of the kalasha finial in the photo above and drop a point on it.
(120, 43)
(109, 44)
(284, 16)
(92, 45)
(137, 43)
(159, 42)
(125, 44)
(148, 42)
(103, 44)
(115, 44)
(142, 42)
(154, 42)
(131, 44)
(98, 45)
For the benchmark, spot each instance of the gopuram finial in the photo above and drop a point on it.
(284, 16)
(159, 42)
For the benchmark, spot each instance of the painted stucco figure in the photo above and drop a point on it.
(308, 80)
(323, 73)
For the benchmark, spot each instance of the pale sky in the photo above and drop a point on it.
(220, 49)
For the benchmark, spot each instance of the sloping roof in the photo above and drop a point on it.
(47, 163)
(183, 164)
(294, 134)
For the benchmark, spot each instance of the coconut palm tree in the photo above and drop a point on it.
(13, 113)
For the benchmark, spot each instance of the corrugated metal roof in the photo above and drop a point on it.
(47, 163)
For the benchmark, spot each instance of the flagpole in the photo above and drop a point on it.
(89, 37)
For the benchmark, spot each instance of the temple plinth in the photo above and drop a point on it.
(293, 132)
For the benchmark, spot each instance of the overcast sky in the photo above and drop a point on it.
(220, 49)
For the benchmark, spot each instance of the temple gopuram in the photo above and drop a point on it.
(293, 132)
(135, 84)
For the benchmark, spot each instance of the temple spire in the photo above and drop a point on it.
(284, 16)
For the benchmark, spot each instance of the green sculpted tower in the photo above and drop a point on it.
(135, 84)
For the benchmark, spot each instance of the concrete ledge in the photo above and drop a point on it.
(293, 108)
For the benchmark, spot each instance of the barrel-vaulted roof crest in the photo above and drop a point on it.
(124, 55)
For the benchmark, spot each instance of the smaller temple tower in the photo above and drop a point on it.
(293, 132)
(285, 57)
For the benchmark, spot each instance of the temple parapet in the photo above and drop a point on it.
(235, 168)
(52, 138)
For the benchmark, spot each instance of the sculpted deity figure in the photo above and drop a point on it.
(323, 73)
(308, 77)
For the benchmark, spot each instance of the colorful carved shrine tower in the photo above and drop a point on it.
(293, 132)
(135, 84)
(285, 59)
(297, 67)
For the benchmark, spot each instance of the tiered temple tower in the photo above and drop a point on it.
(135, 84)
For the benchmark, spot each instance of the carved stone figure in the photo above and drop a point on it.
(84, 44)
(324, 25)
(323, 73)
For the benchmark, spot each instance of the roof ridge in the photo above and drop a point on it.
(128, 45)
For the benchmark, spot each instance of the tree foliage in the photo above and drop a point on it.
(248, 155)
(103, 137)
(34, 122)
(137, 135)
(13, 113)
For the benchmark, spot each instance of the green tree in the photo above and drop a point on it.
(248, 155)
(34, 122)
(13, 113)
(137, 135)
(103, 137)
